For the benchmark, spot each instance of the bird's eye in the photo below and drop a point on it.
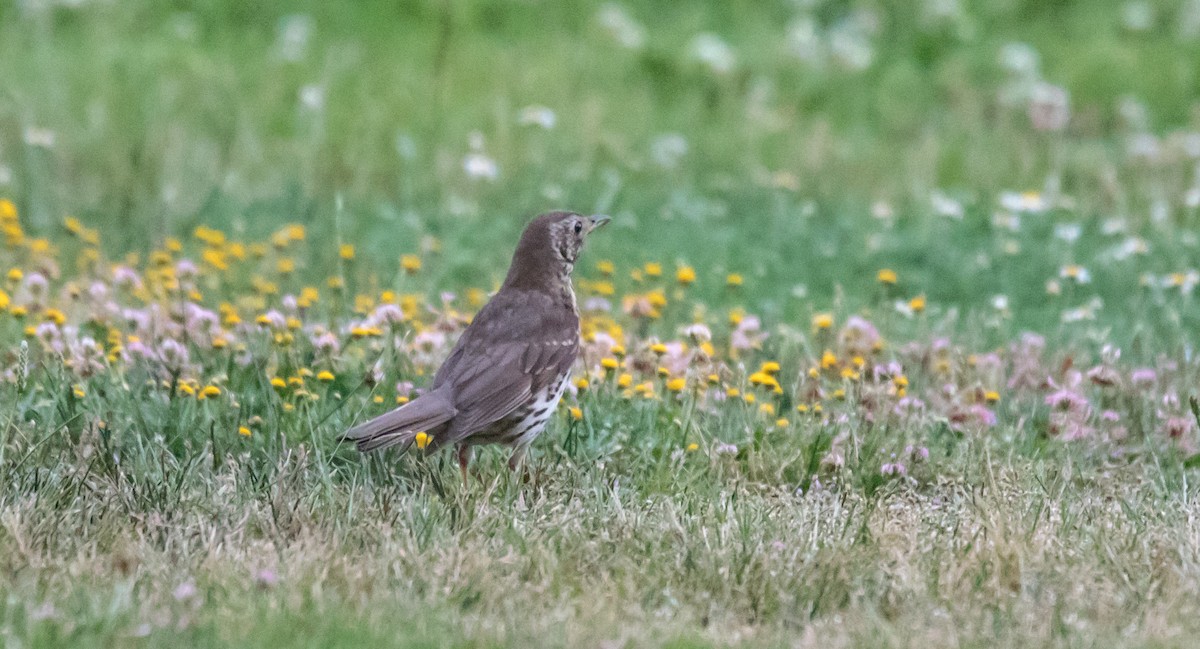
(578, 227)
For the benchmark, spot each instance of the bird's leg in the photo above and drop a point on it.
(517, 461)
(464, 459)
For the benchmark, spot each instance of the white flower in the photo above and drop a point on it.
(1076, 273)
(1049, 107)
(626, 31)
(292, 37)
(851, 48)
(1020, 59)
(1137, 16)
(804, 41)
(39, 137)
(709, 49)
(667, 149)
(537, 116)
(1068, 232)
(943, 205)
(1023, 202)
(312, 97)
(478, 165)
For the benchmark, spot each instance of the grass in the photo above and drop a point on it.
(998, 449)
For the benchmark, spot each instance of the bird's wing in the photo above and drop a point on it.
(493, 371)
(488, 385)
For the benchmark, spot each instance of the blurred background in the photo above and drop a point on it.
(803, 143)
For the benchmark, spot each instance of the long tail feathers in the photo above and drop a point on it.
(400, 426)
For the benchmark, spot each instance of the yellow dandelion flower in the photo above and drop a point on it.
(346, 251)
(652, 269)
(685, 275)
(278, 383)
(609, 363)
(243, 431)
(828, 360)
(605, 289)
(900, 381)
(400, 399)
(802, 408)
(377, 398)
(782, 422)
(422, 439)
(219, 342)
(766, 408)
(335, 282)
(850, 374)
(55, 316)
(410, 263)
(618, 350)
(714, 378)
(917, 304)
(817, 408)
(581, 383)
(658, 348)
(325, 376)
(624, 380)
(693, 447)
(285, 265)
(8, 210)
(733, 393)
(770, 367)
(887, 276)
(749, 397)
(991, 396)
(822, 321)
(734, 279)
(839, 394)
(15, 275)
(605, 267)
(187, 389)
(4, 300)
(663, 372)
(287, 407)
(677, 384)
(78, 391)
(576, 413)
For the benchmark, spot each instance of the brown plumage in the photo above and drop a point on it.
(504, 377)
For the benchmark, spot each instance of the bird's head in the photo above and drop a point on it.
(551, 244)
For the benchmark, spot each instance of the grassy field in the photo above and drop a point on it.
(891, 342)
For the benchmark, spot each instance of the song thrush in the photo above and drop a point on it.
(506, 374)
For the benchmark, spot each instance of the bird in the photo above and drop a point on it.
(506, 374)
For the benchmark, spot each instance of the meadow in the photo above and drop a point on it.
(890, 343)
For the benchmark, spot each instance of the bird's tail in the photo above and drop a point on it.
(400, 426)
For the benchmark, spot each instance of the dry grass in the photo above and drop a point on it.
(1013, 553)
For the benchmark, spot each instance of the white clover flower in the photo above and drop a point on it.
(480, 166)
(622, 27)
(714, 53)
(537, 116)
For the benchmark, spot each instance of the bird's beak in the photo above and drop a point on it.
(599, 220)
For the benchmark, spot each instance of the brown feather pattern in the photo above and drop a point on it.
(503, 377)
